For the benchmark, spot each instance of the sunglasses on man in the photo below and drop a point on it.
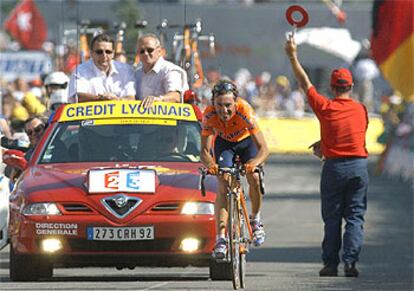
(38, 129)
(149, 50)
(100, 52)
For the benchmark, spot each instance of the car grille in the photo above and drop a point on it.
(76, 208)
(121, 205)
(165, 207)
(116, 246)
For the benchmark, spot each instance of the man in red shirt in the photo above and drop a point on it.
(344, 179)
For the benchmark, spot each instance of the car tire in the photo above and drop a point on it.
(220, 271)
(45, 269)
(28, 268)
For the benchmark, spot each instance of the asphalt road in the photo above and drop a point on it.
(290, 258)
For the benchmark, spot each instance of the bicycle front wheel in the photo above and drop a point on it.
(234, 240)
(244, 247)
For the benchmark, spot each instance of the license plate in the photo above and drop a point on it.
(121, 233)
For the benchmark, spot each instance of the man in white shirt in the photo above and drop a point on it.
(102, 78)
(158, 79)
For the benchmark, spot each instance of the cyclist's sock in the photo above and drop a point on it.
(258, 232)
(255, 217)
(219, 236)
(220, 249)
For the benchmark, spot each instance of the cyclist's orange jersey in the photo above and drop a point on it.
(240, 126)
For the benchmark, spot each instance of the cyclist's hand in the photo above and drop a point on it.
(213, 170)
(249, 168)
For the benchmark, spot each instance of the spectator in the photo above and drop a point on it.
(33, 104)
(4, 127)
(158, 79)
(121, 57)
(56, 85)
(294, 104)
(364, 71)
(102, 78)
(282, 91)
(34, 128)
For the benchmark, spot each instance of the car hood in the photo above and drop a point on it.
(64, 183)
(56, 176)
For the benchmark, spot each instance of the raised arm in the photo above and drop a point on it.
(300, 74)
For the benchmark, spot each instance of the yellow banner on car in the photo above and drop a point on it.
(126, 109)
(296, 135)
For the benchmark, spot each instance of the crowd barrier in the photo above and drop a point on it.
(295, 135)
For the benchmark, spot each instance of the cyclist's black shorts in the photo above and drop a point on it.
(225, 151)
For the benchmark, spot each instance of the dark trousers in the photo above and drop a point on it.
(344, 185)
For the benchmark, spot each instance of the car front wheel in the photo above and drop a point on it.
(28, 268)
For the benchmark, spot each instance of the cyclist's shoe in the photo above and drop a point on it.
(220, 249)
(259, 234)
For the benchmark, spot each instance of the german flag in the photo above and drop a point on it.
(392, 42)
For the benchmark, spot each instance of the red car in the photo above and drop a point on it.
(112, 184)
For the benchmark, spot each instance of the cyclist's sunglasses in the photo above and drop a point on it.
(100, 52)
(149, 50)
(223, 88)
(37, 129)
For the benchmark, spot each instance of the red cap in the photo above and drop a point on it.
(341, 78)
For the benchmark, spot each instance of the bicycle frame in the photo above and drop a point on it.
(236, 195)
(239, 231)
(119, 38)
(139, 25)
(162, 32)
(83, 41)
(84, 30)
(186, 52)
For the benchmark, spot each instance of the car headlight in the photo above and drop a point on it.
(197, 208)
(41, 209)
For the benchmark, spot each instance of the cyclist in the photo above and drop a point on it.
(230, 124)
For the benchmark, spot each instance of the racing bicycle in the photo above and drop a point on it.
(238, 231)
(185, 51)
(140, 25)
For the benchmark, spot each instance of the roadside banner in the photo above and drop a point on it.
(27, 65)
(296, 135)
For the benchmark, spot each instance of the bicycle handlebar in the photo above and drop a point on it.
(232, 171)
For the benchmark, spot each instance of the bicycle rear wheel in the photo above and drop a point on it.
(234, 240)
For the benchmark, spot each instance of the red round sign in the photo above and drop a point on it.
(299, 9)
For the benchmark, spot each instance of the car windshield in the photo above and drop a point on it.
(86, 141)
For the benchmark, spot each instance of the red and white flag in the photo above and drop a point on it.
(27, 25)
